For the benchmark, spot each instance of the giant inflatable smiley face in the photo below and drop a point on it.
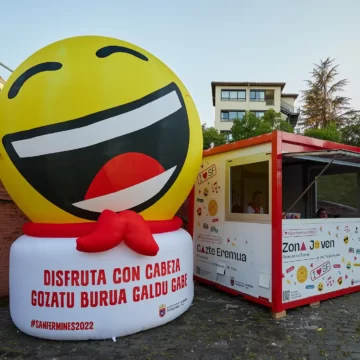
(93, 123)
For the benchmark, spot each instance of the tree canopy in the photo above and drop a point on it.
(212, 137)
(326, 114)
(348, 134)
(323, 103)
(351, 135)
(329, 133)
(250, 125)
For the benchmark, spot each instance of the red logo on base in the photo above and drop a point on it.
(162, 310)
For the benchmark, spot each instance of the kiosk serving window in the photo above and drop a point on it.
(247, 191)
(338, 193)
(327, 180)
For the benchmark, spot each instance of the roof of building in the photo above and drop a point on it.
(306, 143)
(294, 96)
(243, 83)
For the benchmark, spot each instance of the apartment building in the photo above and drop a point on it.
(2, 83)
(233, 99)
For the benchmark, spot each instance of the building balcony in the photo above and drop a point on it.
(291, 113)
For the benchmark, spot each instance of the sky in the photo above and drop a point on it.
(201, 40)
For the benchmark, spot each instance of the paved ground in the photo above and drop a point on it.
(217, 326)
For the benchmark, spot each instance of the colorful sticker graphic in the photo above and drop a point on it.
(330, 281)
(215, 187)
(207, 174)
(302, 274)
(320, 270)
(212, 207)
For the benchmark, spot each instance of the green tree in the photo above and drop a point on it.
(330, 133)
(250, 125)
(350, 131)
(322, 104)
(211, 136)
(350, 135)
(275, 121)
(247, 127)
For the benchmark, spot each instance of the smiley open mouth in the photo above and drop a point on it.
(117, 159)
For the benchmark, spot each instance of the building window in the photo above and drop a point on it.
(247, 192)
(227, 134)
(257, 95)
(232, 115)
(259, 114)
(233, 95)
(270, 97)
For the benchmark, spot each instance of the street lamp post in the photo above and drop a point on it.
(6, 67)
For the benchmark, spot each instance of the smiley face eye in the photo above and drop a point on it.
(109, 50)
(25, 76)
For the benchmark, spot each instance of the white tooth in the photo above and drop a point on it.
(101, 131)
(127, 198)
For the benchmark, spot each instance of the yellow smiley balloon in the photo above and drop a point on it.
(92, 123)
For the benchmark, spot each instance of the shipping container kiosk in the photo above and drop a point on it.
(252, 215)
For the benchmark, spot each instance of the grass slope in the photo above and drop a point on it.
(339, 189)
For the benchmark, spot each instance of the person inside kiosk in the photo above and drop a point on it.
(255, 206)
(247, 192)
(321, 213)
(321, 184)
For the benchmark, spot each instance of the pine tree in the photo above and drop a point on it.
(322, 104)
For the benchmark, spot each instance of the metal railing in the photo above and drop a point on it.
(289, 108)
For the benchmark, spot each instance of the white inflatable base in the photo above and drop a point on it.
(59, 293)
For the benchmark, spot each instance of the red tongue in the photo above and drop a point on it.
(123, 171)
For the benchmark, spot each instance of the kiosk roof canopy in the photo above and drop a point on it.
(338, 157)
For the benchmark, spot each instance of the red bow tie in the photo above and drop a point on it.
(112, 228)
(108, 232)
